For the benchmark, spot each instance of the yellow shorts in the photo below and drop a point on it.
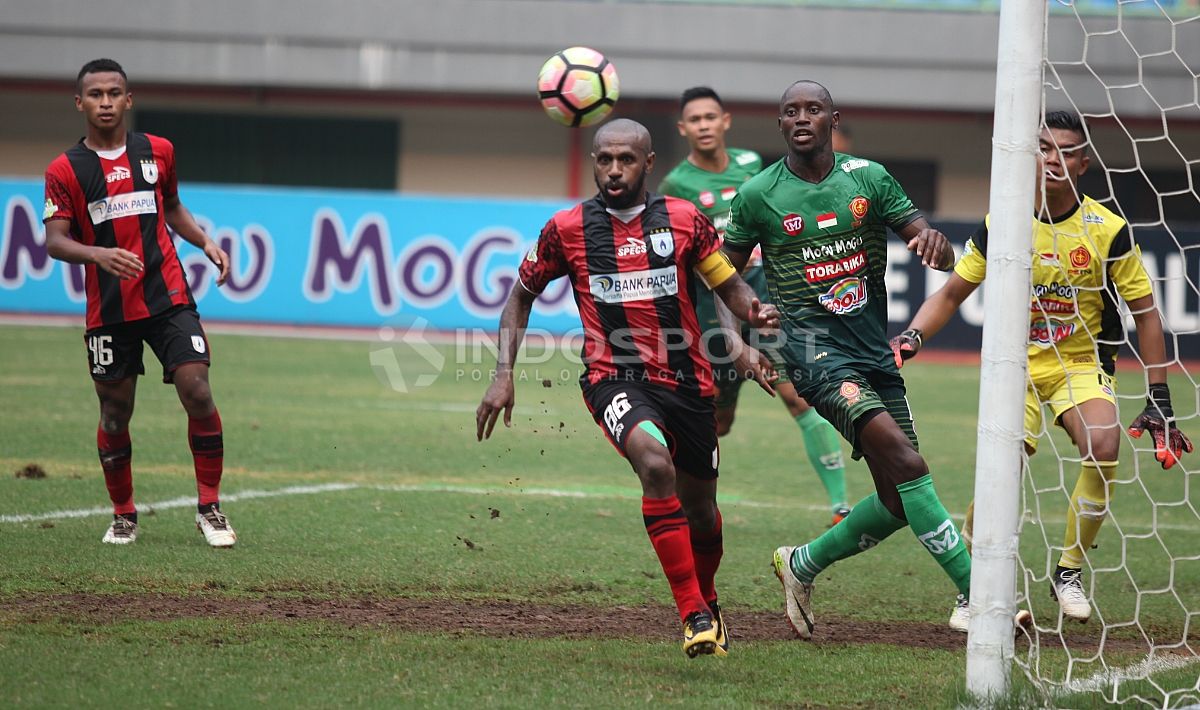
(1061, 391)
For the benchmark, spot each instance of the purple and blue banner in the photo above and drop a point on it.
(334, 258)
(361, 259)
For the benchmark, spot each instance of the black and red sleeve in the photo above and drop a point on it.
(545, 261)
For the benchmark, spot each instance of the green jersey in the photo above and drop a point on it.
(824, 248)
(712, 192)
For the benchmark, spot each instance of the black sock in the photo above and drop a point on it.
(131, 517)
(205, 507)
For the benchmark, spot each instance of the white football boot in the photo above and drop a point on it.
(1067, 588)
(122, 531)
(960, 618)
(797, 594)
(216, 528)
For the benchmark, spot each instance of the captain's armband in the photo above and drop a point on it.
(715, 269)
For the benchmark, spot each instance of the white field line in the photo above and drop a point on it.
(183, 502)
(187, 501)
(1138, 671)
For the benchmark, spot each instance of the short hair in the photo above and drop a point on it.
(699, 92)
(95, 67)
(824, 92)
(1068, 121)
(625, 127)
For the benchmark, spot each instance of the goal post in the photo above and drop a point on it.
(1003, 372)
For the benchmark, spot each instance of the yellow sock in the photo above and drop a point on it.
(1089, 506)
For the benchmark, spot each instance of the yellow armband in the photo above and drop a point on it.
(715, 269)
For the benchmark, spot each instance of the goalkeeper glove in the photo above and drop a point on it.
(906, 345)
(1158, 418)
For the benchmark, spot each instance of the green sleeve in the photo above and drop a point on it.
(666, 187)
(741, 233)
(895, 207)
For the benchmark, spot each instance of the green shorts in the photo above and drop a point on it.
(848, 393)
(726, 377)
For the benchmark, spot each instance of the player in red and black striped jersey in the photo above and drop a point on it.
(631, 257)
(110, 200)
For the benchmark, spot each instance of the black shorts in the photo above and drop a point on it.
(175, 336)
(688, 422)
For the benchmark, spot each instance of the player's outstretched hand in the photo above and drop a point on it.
(499, 396)
(934, 249)
(219, 258)
(751, 362)
(1158, 418)
(119, 262)
(763, 315)
(906, 345)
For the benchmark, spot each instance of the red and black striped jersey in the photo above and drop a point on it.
(118, 202)
(635, 288)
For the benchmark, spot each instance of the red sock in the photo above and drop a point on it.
(208, 452)
(707, 548)
(668, 529)
(116, 457)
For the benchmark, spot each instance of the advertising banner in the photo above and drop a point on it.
(361, 259)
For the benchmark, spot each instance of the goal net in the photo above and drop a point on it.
(1130, 69)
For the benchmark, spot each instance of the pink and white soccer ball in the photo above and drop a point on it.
(578, 86)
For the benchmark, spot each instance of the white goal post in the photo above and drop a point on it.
(1005, 333)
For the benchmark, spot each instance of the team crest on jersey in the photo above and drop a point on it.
(793, 224)
(663, 243)
(846, 296)
(707, 199)
(1080, 257)
(150, 171)
(859, 206)
(728, 193)
(531, 255)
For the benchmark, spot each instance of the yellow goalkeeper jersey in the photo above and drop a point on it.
(1082, 261)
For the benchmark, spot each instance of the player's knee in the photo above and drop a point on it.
(908, 464)
(1104, 446)
(115, 415)
(196, 398)
(657, 472)
(701, 515)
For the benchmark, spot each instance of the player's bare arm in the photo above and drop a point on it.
(181, 221)
(1158, 417)
(119, 262)
(928, 243)
(737, 258)
(735, 296)
(500, 396)
(933, 315)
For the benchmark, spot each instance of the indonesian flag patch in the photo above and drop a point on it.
(827, 220)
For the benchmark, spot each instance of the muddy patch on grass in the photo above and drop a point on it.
(510, 619)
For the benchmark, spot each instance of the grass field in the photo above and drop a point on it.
(386, 558)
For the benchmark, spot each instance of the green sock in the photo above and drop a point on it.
(865, 527)
(933, 527)
(824, 448)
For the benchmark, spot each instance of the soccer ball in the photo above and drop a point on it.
(578, 86)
